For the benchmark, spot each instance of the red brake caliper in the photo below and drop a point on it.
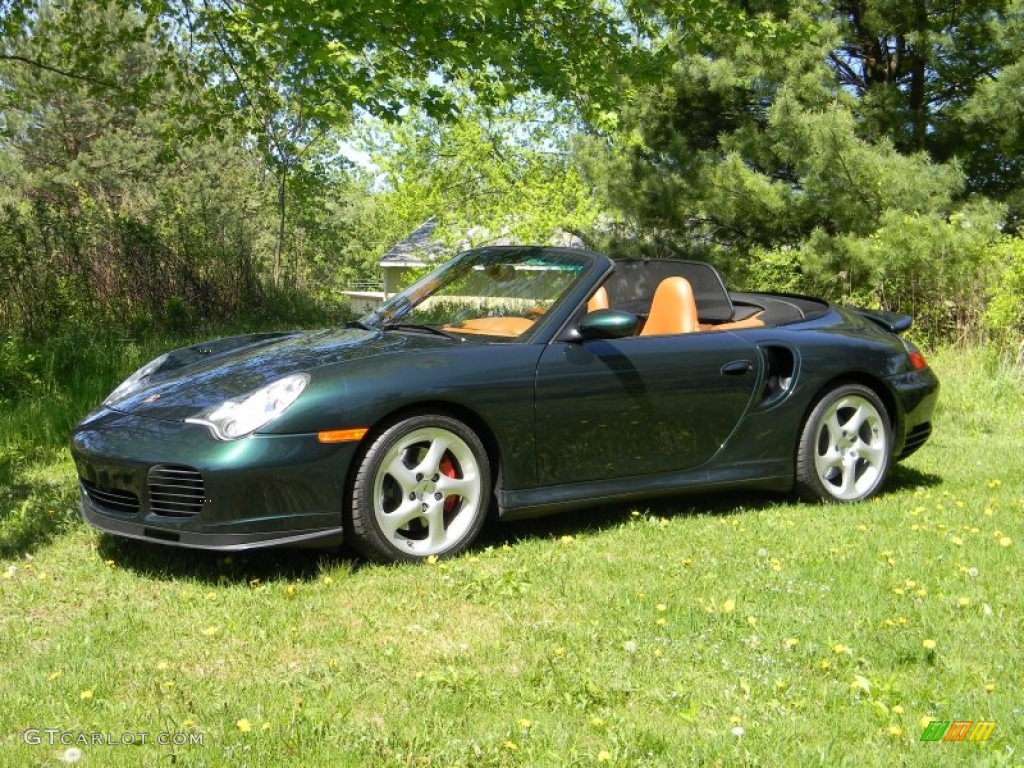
(447, 468)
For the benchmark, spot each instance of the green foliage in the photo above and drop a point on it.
(1004, 317)
(810, 154)
(492, 175)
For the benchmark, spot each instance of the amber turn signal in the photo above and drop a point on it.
(342, 435)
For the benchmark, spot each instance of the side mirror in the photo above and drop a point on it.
(608, 324)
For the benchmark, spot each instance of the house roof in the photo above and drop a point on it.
(415, 250)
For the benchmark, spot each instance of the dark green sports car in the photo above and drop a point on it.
(522, 380)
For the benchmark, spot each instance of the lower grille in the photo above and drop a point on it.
(175, 491)
(114, 499)
(918, 436)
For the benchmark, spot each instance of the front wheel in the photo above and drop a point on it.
(423, 488)
(845, 446)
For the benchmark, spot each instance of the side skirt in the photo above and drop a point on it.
(536, 502)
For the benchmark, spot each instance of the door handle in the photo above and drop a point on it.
(737, 368)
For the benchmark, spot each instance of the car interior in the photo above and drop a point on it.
(675, 296)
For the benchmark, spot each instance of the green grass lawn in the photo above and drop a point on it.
(730, 630)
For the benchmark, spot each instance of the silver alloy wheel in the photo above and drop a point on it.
(427, 492)
(851, 448)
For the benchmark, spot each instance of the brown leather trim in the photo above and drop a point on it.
(506, 327)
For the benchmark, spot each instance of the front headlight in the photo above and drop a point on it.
(237, 418)
(134, 381)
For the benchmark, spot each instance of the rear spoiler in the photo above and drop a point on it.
(894, 322)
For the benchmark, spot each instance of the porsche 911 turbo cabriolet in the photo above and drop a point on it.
(514, 380)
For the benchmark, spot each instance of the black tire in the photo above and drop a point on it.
(845, 446)
(423, 488)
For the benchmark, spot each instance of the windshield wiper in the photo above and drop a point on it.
(421, 327)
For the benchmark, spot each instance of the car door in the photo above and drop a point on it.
(608, 408)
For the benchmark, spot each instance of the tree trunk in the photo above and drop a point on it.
(281, 209)
(918, 76)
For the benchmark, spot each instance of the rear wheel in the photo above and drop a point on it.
(423, 488)
(845, 447)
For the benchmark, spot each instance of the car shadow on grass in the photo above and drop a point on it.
(903, 478)
(159, 561)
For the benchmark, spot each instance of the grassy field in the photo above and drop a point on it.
(735, 630)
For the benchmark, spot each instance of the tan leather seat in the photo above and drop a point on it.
(598, 301)
(673, 309)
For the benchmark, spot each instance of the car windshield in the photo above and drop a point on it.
(493, 292)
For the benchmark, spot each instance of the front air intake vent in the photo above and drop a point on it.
(175, 491)
(112, 499)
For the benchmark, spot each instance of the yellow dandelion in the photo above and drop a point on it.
(922, 593)
(290, 589)
(839, 648)
(957, 541)
(597, 722)
(660, 621)
(1005, 541)
(604, 756)
(634, 513)
(524, 723)
(431, 559)
(989, 687)
(566, 539)
(752, 621)
(54, 675)
(162, 665)
(687, 562)
(825, 665)
(964, 602)
(924, 721)
(327, 580)
(993, 484)
(897, 710)
(510, 746)
(662, 607)
(929, 644)
(728, 606)
(895, 731)
(188, 722)
(244, 725)
(254, 582)
(862, 683)
(85, 695)
(898, 591)
(790, 643)
(211, 631)
(559, 651)
(265, 726)
(656, 653)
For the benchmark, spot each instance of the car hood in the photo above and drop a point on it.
(204, 375)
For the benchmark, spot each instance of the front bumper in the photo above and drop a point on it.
(259, 491)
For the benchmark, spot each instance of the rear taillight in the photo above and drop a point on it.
(917, 360)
